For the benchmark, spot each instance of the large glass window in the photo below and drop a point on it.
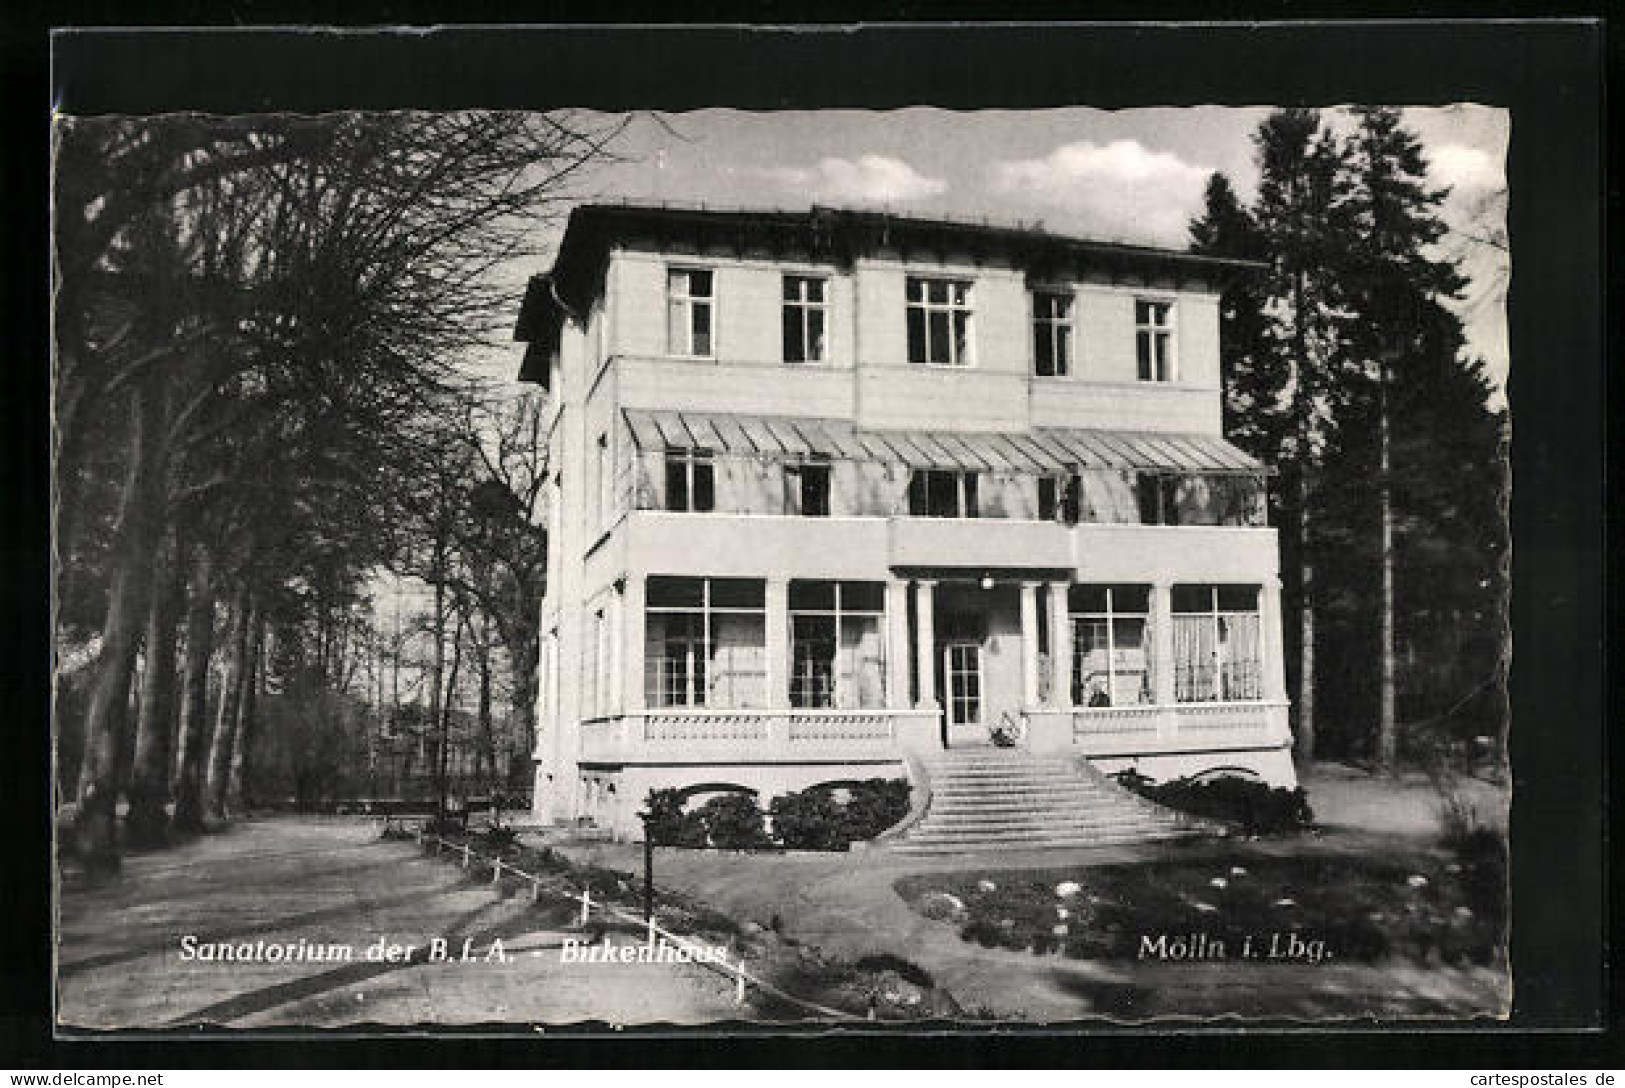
(1216, 643)
(1052, 334)
(804, 319)
(942, 493)
(1154, 339)
(939, 321)
(689, 304)
(690, 480)
(1112, 660)
(705, 642)
(837, 645)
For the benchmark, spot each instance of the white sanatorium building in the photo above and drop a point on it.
(834, 490)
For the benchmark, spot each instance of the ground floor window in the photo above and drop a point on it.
(705, 642)
(1112, 658)
(837, 644)
(1217, 648)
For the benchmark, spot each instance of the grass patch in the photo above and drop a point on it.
(1428, 908)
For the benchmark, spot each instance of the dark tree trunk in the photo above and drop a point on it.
(523, 655)
(190, 742)
(237, 793)
(130, 561)
(225, 723)
(149, 780)
(488, 747)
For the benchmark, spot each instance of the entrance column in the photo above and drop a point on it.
(1029, 644)
(925, 643)
(897, 663)
(1060, 646)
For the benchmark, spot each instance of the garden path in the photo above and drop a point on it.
(280, 880)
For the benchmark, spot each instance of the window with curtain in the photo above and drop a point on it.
(1217, 646)
(837, 644)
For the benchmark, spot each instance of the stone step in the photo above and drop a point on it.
(996, 799)
(1029, 816)
(1058, 842)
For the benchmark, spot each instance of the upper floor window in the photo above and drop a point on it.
(1158, 498)
(1058, 498)
(939, 320)
(689, 302)
(804, 319)
(690, 480)
(941, 493)
(1052, 334)
(806, 488)
(1154, 339)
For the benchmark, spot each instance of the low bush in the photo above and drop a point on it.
(809, 820)
(499, 838)
(1256, 807)
(669, 825)
(814, 820)
(875, 805)
(733, 822)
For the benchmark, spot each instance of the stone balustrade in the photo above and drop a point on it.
(702, 735)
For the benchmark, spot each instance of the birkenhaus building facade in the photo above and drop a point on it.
(832, 491)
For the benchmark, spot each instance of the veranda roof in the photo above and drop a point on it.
(1047, 449)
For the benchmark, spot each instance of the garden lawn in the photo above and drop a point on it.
(1430, 910)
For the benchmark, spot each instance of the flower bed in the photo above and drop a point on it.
(1428, 908)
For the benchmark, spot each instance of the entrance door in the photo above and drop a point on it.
(962, 673)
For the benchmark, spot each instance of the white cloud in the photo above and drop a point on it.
(875, 178)
(1465, 168)
(1119, 189)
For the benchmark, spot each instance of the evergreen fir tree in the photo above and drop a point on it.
(1302, 217)
(1393, 283)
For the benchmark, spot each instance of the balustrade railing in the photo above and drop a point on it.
(838, 725)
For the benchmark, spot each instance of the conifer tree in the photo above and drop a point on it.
(1393, 283)
(1302, 216)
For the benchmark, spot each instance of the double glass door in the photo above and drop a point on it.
(962, 674)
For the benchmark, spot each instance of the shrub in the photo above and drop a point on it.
(813, 820)
(669, 825)
(1259, 809)
(733, 822)
(875, 805)
(982, 932)
(499, 838)
(809, 820)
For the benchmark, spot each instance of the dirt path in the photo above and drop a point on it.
(331, 882)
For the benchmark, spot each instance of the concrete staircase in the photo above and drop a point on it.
(985, 799)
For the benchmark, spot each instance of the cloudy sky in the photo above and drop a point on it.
(1128, 175)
